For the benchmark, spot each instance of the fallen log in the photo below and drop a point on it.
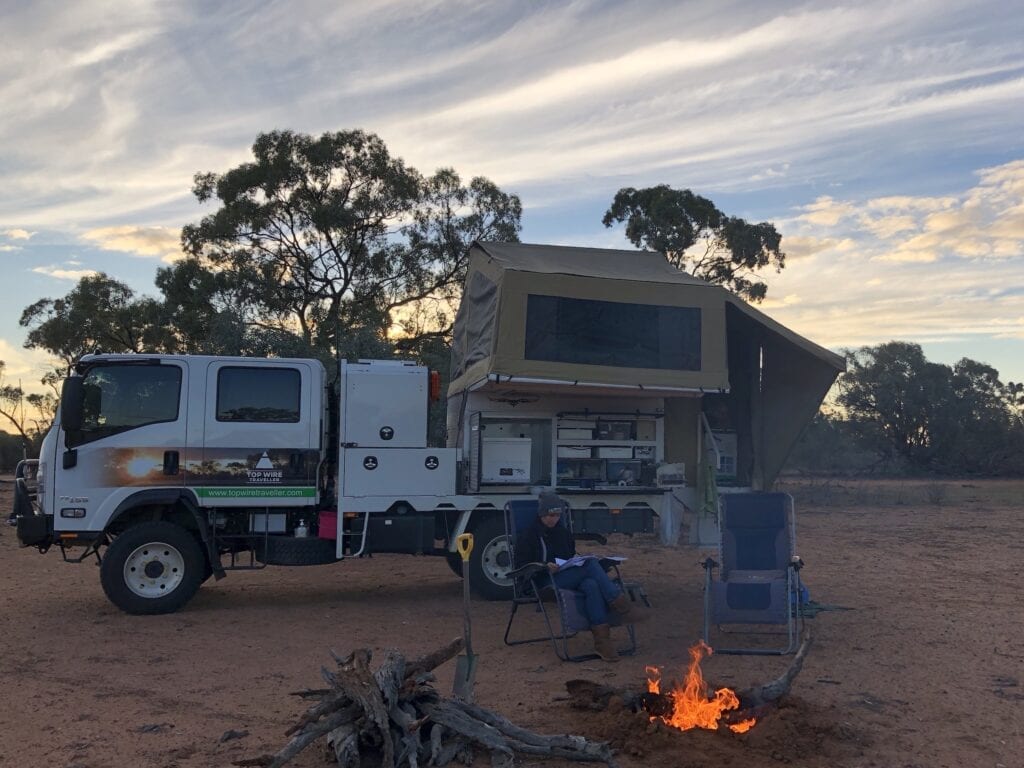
(586, 694)
(393, 717)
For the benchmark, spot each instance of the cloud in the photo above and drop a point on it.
(64, 274)
(24, 366)
(9, 248)
(924, 268)
(17, 234)
(161, 242)
(826, 212)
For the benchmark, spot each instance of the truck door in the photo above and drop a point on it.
(261, 435)
(132, 438)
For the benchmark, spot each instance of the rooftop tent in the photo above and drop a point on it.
(589, 317)
(607, 321)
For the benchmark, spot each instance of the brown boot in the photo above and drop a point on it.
(623, 606)
(603, 642)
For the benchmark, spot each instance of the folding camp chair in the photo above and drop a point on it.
(562, 609)
(758, 590)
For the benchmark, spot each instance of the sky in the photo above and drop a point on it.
(884, 140)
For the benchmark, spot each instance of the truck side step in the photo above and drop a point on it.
(353, 533)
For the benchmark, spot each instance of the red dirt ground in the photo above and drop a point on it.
(926, 668)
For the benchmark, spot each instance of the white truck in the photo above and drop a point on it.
(169, 469)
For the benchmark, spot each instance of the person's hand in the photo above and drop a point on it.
(552, 568)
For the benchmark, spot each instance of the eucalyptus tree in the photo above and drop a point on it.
(698, 238)
(319, 235)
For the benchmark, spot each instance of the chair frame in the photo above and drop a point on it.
(532, 585)
(794, 594)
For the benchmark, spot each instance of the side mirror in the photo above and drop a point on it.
(72, 398)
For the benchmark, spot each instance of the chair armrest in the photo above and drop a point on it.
(528, 571)
(796, 562)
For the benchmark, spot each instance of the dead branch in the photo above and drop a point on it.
(394, 718)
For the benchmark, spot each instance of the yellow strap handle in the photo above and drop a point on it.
(464, 543)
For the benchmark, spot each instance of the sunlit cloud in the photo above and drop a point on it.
(4, 248)
(64, 274)
(950, 269)
(826, 212)
(161, 242)
(17, 234)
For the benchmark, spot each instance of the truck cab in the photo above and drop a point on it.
(144, 447)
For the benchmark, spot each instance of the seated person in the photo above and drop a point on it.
(543, 541)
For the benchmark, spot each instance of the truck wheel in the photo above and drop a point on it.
(153, 567)
(490, 562)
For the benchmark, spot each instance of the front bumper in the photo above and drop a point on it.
(35, 530)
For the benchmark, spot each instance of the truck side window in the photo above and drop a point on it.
(258, 394)
(122, 397)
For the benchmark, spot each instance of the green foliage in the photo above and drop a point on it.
(332, 235)
(829, 446)
(933, 417)
(697, 237)
(12, 450)
(100, 313)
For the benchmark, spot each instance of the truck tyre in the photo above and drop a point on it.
(288, 550)
(153, 567)
(490, 561)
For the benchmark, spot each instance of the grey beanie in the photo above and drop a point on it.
(549, 500)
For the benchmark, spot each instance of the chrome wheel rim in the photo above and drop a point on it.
(154, 570)
(496, 561)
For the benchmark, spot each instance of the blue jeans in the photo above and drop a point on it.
(598, 590)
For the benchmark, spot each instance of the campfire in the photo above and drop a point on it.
(690, 705)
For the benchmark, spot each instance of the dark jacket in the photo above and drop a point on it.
(540, 544)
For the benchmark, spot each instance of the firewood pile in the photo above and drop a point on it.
(393, 717)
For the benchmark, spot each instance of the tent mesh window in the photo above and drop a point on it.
(618, 334)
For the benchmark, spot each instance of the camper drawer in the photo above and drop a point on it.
(575, 433)
(573, 452)
(615, 452)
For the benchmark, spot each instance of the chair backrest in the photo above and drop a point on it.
(758, 532)
(520, 515)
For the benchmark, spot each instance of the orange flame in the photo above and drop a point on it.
(691, 707)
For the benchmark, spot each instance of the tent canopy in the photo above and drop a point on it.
(607, 317)
(537, 314)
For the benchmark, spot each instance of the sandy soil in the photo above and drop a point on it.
(924, 669)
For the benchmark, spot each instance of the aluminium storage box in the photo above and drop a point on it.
(505, 460)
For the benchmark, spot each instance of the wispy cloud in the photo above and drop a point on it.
(64, 274)
(17, 234)
(161, 242)
(951, 269)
